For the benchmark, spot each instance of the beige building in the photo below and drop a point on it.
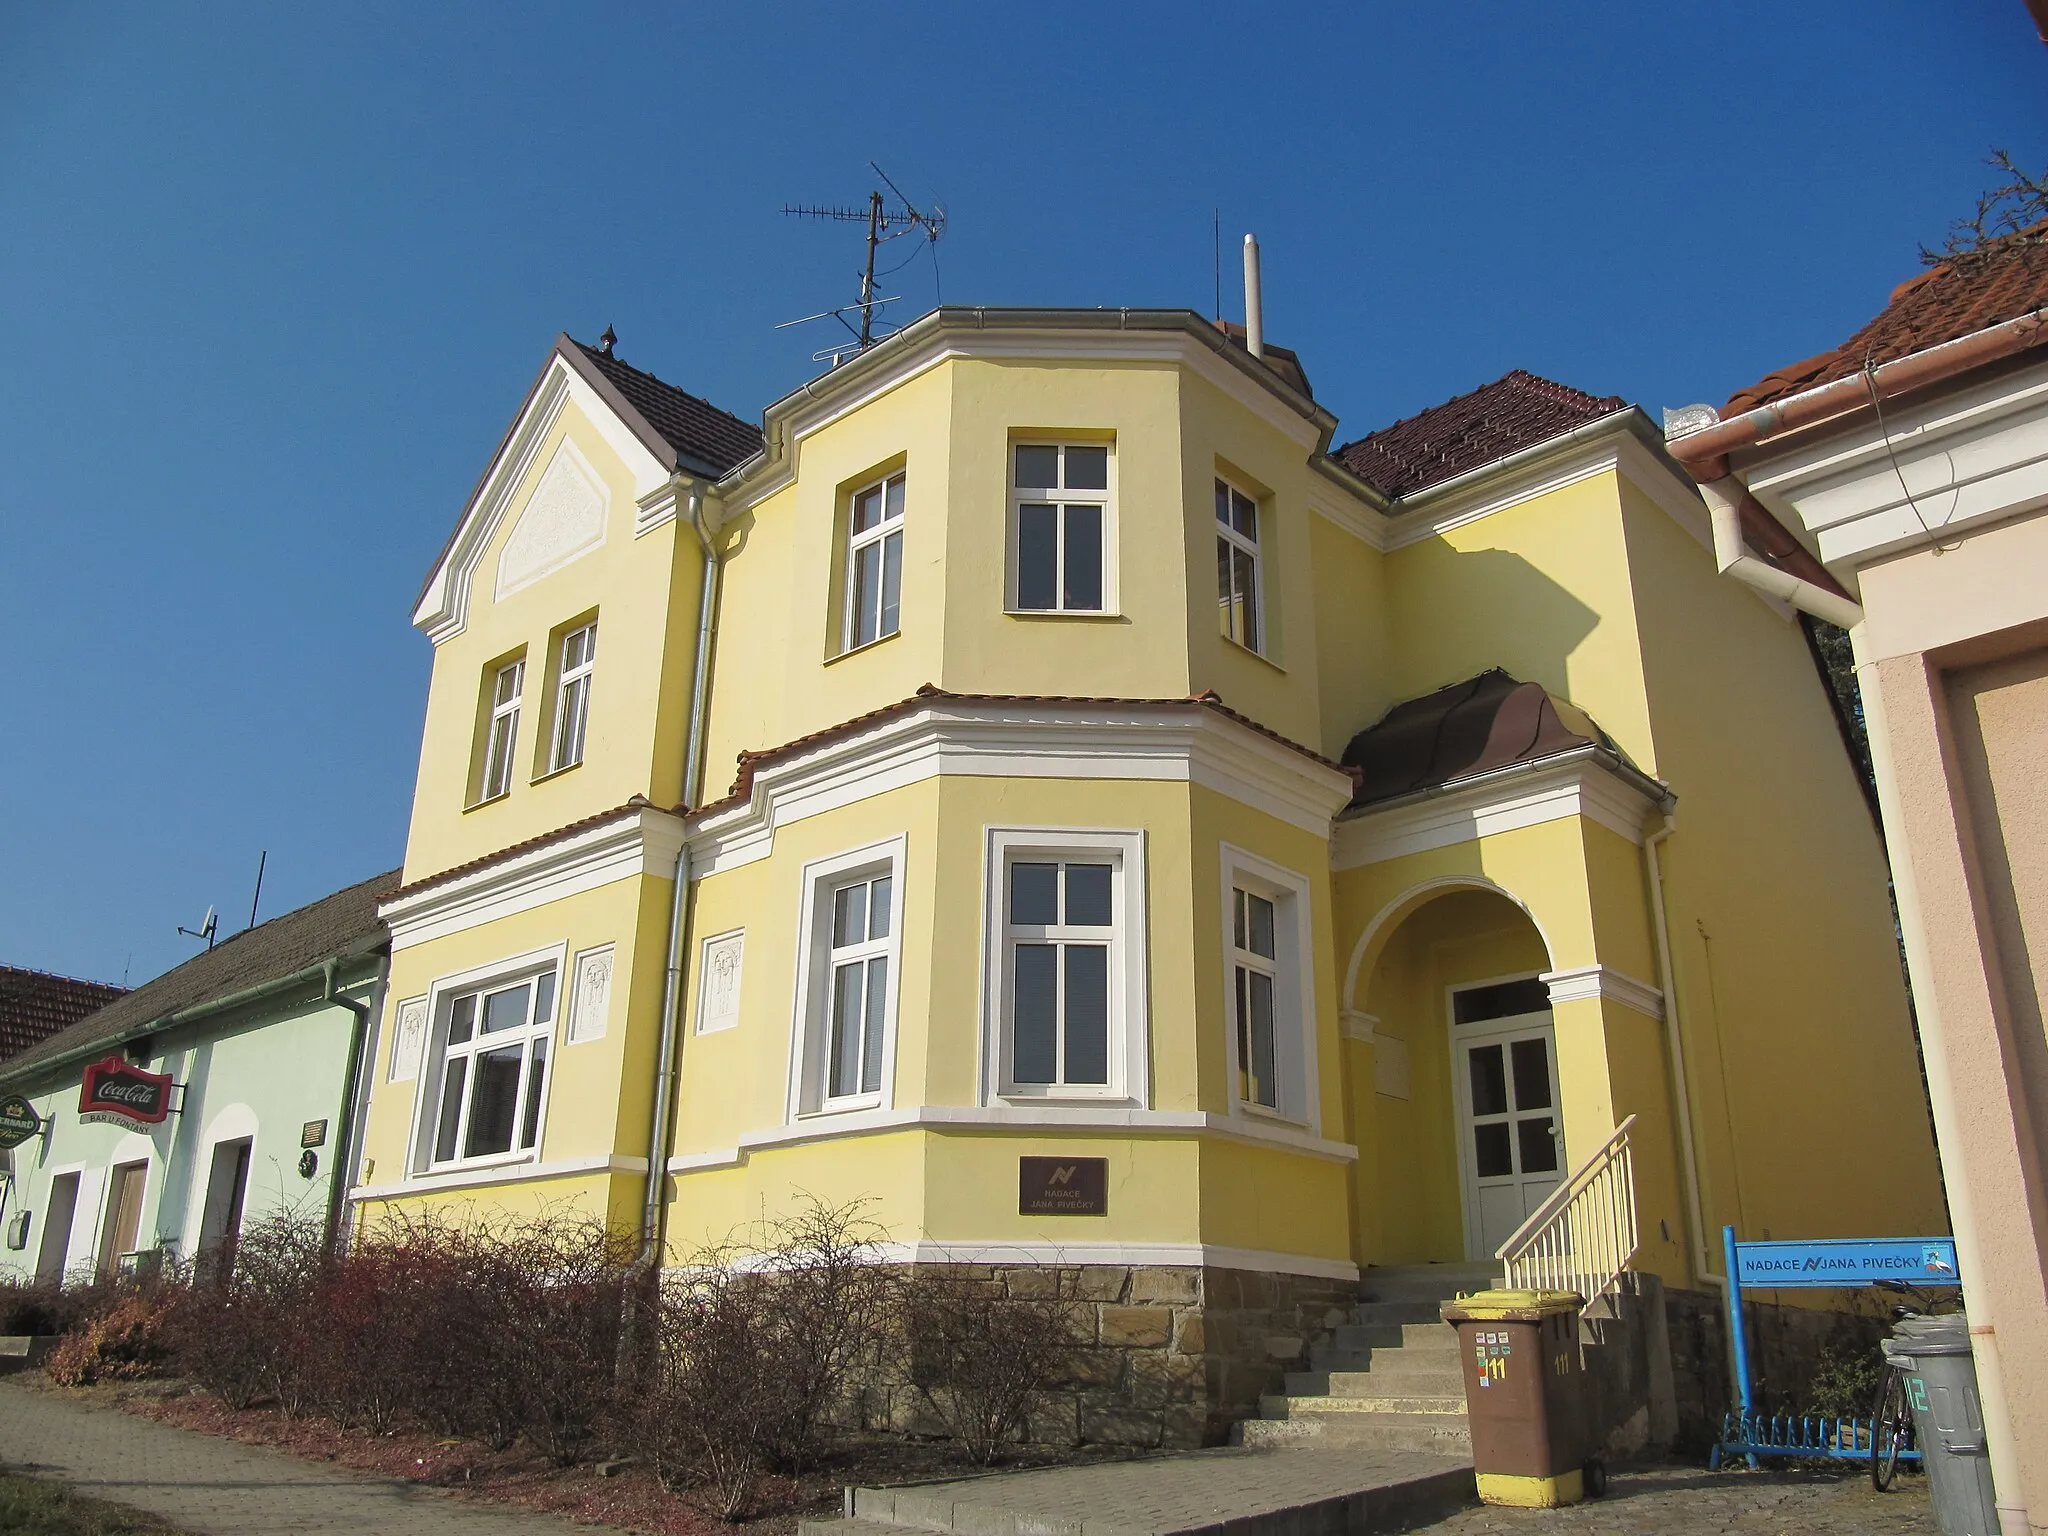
(1898, 486)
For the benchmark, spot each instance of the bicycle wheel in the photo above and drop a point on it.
(1890, 1426)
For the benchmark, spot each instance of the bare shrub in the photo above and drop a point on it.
(38, 1309)
(979, 1357)
(130, 1338)
(832, 1302)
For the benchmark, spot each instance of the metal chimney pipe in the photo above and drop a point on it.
(1254, 303)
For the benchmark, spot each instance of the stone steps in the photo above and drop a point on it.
(1441, 1434)
(1399, 1378)
(1305, 1488)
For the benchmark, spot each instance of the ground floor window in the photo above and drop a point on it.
(494, 1041)
(1269, 1001)
(1065, 959)
(852, 923)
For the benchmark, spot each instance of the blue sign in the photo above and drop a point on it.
(1848, 1261)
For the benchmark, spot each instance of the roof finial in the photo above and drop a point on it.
(607, 341)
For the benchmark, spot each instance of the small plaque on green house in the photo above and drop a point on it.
(1063, 1186)
(313, 1134)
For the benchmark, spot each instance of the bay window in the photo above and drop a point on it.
(493, 1069)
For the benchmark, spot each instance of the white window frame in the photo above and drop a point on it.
(1227, 533)
(1129, 1002)
(419, 1158)
(572, 681)
(811, 1014)
(1294, 1000)
(499, 767)
(888, 528)
(1060, 498)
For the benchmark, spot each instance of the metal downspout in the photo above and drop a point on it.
(1675, 1041)
(1724, 498)
(678, 920)
(351, 1094)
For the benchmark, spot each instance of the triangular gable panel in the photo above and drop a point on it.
(443, 607)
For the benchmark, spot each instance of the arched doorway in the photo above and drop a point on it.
(1459, 1130)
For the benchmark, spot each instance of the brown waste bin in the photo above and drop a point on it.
(1525, 1396)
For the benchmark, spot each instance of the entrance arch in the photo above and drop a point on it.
(1457, 1117)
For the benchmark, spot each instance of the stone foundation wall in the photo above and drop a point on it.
(1786, 1344)
(1168, 1357)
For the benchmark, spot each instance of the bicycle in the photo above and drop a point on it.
(1891, 1421)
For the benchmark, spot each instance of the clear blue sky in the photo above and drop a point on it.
(273, 278)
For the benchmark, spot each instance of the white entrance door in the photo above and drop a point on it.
(1510, 1144)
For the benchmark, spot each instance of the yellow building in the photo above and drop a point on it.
(1339, 845)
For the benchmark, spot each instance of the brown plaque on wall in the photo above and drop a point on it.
(1063, 1186)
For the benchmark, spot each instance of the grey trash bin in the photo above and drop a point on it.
(1948, 1420)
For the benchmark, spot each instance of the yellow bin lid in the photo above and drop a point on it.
(1511, 1306)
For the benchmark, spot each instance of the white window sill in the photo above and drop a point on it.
(864, 647)
(477, 805)
(556, 773)
(1026, 1098)
(478, 1164)
(1064, 613)
(851, 1105)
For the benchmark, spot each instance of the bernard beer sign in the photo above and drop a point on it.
(114, 1093)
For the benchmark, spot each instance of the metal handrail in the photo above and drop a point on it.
(1582, 1237)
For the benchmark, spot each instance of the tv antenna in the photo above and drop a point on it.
(263, 857)
(206, 929)
(885, 223)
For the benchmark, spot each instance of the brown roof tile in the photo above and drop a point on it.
(632, 807)
(334, 927)
(1942, 304)
(1516, 411)
(695, 428)
(34, 1005)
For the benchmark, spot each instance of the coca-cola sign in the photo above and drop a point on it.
(114, 1093)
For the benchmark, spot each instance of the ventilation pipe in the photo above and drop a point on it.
(1254, 302)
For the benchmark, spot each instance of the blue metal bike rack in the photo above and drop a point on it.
(1827, 1264)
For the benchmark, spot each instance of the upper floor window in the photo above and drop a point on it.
(508, 685)
(494, 1062)
(1065, 963)
(1254, 976)
(874, 562)
(1237, 567)
(852, 930)
(1060, 534)
(572, 696)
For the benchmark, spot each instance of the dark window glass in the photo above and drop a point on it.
(494, 1104)
(891, 610)
(878, 906)
(536, 1079)
(849, 915)
(1489, 1080)
(1257, 1041)
(867, 509)
(1038, 468)
(1087, 469)
(1088, 895)
(1532, 1073)
(462, 1019)
(871, 1033)
(1502, 1000)
(1087, 1013)
(543, 997)
(505, 1010)
(1084, 558)
(848, 989)
(1538, 1146)
(1037, 556)
(1222, 502)
(1492, 1151)
(1035, 895)
(1035, 1058)
(451, 1108)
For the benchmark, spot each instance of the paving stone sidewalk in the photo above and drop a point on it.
(221, 1488)
(1686, 1501)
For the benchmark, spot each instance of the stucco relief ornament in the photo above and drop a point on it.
(719, 1007)
(412, 1033)
(593, 994)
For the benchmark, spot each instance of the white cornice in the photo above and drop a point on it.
(1030, 1118)
(824, 401)
(637, 843)
(501, 1173)
(1572, 465)
(443, 608)
(1578, 785)
(1030, 741)
(1604, 981)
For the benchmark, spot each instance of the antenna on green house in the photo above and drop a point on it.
(884, 224)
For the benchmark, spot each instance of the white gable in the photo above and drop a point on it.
(564, 518)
